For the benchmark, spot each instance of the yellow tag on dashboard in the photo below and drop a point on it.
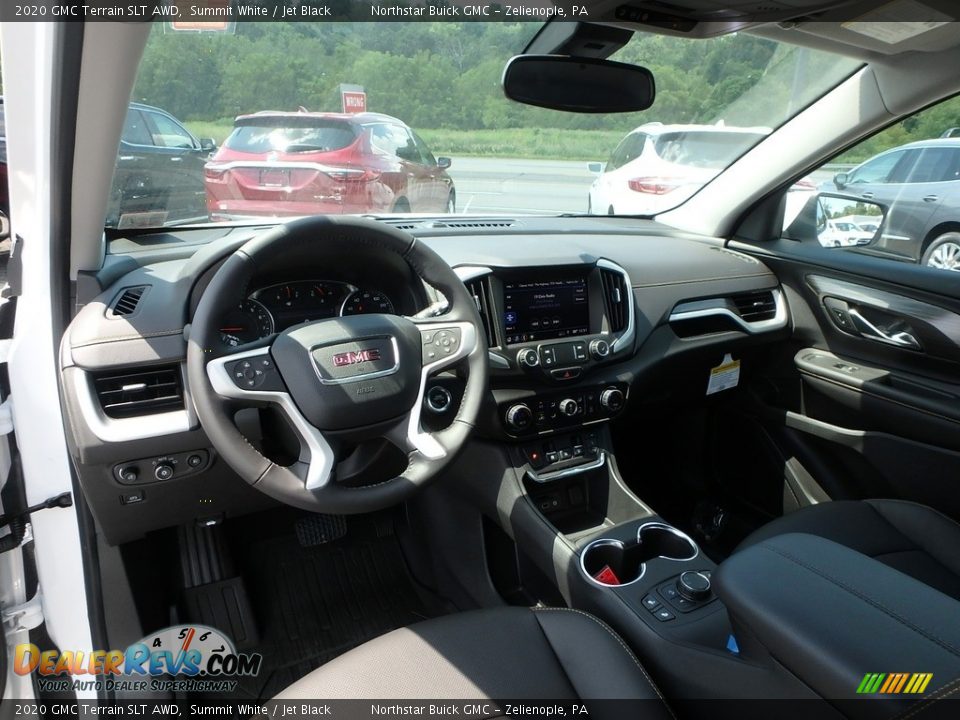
(724, 376)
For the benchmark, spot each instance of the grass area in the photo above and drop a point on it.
(523, 143)
(218, 130)
(526, 143)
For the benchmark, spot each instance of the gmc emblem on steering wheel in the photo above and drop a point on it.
(356, 357)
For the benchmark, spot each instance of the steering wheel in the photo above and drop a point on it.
(339, 380)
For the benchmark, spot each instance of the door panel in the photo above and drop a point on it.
(875, 415)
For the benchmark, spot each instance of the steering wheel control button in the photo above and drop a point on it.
(694, 586)
(258, 373)
(440, 343)
(438, 399)
(599, 349)
(528, 358)
(519, 417)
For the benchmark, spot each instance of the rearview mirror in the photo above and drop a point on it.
(595, 167)
(208, 144)
(444, 162)
(583, 85)
(841, 180)
(4, 227)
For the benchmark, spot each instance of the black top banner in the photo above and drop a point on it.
(221, 15)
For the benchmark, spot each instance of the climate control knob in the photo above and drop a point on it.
(568, 407)
(519, 417)
(528, 358)
(599, 349)
(612, 399)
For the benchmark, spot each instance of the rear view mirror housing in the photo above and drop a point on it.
(577, 84)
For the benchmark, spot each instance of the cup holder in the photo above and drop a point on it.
(612, 563)
(665, 541)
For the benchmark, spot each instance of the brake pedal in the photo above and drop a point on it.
(318, 529)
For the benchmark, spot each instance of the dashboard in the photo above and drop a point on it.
(274, 308)
(582, 317)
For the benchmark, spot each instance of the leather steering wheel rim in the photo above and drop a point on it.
(206, 354)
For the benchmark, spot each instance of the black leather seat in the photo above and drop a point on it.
(914, 539)
(505, 653)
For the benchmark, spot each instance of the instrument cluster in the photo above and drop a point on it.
(274, 308)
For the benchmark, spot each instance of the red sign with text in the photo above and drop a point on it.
(353, 101)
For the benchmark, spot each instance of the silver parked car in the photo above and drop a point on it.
(920, 184)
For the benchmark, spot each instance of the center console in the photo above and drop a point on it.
(562, 345)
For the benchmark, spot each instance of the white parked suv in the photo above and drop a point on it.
(656, 167)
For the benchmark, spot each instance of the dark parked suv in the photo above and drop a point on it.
(920, 184)
(159, 175)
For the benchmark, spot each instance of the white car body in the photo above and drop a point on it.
(656, 167)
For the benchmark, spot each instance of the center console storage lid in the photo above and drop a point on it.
(831, 615)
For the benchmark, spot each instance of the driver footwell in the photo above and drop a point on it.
(316, 591)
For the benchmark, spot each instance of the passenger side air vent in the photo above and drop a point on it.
(144, 391)
(756, 306)
(476, 223)
(127, 302)
(615, 299)
(479, 288)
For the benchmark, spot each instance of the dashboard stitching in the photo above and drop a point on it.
(122, 338)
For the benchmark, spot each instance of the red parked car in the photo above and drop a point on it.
(303, 163)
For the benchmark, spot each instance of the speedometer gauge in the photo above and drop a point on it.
(362, 302)
(249, 322)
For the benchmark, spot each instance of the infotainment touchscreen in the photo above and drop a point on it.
(545, 309)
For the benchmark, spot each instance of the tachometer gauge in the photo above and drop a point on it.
(249, 322)
(362, 302)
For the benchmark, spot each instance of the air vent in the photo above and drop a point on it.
(479, 288)
(615, 298)
(127, 302)
(144, 391)
(476, 224)
(755, 307)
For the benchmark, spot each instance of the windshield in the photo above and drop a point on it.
(276, 120)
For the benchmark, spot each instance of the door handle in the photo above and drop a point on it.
(890, 336)
(866, 195)
(931, 198)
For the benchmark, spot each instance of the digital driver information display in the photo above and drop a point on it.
(545, 310)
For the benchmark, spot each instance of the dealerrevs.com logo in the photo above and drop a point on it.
(182, 658)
